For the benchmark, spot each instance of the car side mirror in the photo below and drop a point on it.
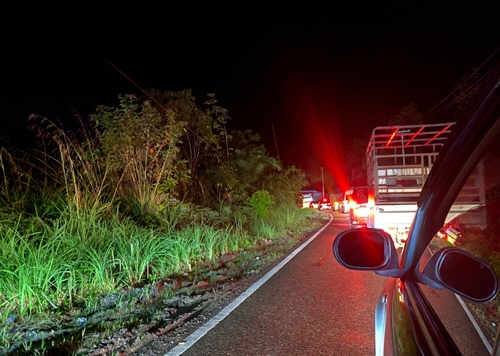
(462, 273)
(367, 249)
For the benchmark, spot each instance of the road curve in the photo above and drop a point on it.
(311, 306)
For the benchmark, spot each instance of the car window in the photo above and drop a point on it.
(359, 195)
(472, 224)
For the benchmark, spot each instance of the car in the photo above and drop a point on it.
(352, 198)
(440, 296)
(323, 204)
(320, 204)
(314, 204)
(344, 202)
(343, 206)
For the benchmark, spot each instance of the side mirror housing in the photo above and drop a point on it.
(367, 249)
(462, 273)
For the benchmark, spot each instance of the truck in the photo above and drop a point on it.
(398, 161)
(306, 197)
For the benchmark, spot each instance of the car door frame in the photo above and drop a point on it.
(453, 166)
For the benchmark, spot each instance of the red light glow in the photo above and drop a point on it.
(312, 105)
(392, 137)
(436, 135)
(413, 137)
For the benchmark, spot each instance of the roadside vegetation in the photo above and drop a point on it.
(129, 197)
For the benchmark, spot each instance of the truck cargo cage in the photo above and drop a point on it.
(399, 159)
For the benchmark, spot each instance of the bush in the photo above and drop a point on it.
(261, 201)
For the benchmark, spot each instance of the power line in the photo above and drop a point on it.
(460, 97)
(458, 87)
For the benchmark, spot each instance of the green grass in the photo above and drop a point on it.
(93, 213)
(50, 270)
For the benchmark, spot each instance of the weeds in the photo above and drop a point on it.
(94, 212)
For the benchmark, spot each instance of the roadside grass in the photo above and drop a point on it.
(66, 266)
(79, 257)
(78, 228)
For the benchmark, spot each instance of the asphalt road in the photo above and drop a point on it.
(311, 306)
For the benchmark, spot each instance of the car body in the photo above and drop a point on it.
(358, 206)
(321, 204)
(443, 282)
(353, 197)
(314, 204)
(344, 202)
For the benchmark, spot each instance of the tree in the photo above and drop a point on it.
(250, 169)
(356, 162)
(224, 179)
(408, 116)
(201, 143)
(139, 143)
(286, 184)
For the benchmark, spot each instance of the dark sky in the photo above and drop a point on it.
(315, 72)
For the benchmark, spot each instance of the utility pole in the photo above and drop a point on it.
(322, 182)
(276, 143)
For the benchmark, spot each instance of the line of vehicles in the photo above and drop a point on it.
(398, 160)
(314, 200)
(428, 219)
(435, 235)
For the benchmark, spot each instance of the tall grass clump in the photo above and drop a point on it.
(74, 262)
(36, 271)
(289, 219)
(275, 216)
(139, 253)
(200, 244)
(71, 161)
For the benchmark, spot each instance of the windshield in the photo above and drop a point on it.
(359, 195)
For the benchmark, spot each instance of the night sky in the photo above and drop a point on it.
(320, 74)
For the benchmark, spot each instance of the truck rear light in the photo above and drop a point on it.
(361, 211)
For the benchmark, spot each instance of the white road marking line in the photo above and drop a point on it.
(476, 326)
(198, 334)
